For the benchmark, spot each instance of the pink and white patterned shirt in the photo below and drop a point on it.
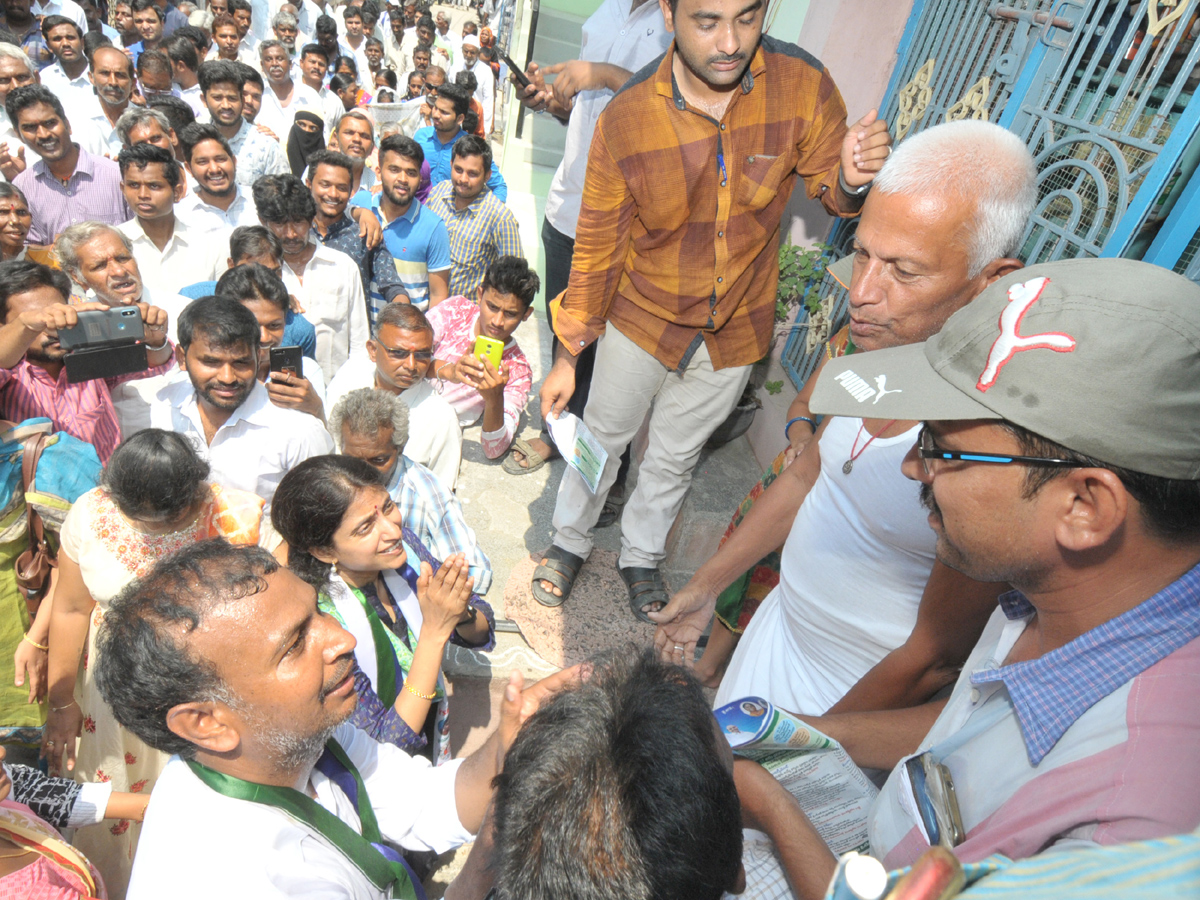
(454, 334)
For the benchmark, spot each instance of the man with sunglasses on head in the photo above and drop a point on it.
(863, 616)
(399, 355)
(1057, 456)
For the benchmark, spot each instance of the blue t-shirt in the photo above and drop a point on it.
(437, 155)
(419, 244)
(297, 330)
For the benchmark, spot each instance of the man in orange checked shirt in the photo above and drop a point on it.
(675, 266)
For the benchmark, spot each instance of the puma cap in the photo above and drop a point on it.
(1101, 356)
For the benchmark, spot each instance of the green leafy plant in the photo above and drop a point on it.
(800, 272)
(773, 387)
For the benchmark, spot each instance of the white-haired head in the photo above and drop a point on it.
(975, 160)
(15, 52)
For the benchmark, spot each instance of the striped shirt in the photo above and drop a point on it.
(430, 509)
(381, 284)
(678, 229)
(479, 234)
(83, 410)
(91, 194)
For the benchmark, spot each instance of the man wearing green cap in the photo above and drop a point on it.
(1060, 453)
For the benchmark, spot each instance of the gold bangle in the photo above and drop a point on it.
(408, 687)
(27, 639)
(61, 708)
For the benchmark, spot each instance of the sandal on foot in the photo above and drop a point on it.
(612, 507)
(560, 569)
(646, 587)
(533, 459)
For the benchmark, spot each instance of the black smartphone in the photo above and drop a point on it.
(516, 71)
(287, 359)
(103, 327)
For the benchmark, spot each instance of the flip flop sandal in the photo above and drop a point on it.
(645, 587)
(611, 510)
(560, 569)
(533, 459)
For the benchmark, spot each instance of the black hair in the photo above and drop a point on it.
(310, 503)
(467, 81)
(252, 76)
(404, 316)
(141, 155)
(316, 49)
(472, 145)
(181, 50)
(220, 71)
(143, 666)
(402, 145)
(458, 96)
(240, 6)
(376, 41)
(470, 122)
(223, 322)
(155, 475)
(254, 281)
(197, 134)
(348, 11)
(177, 111)
(385, 95)
(153, 61)
(93, 41)
(344, 60)
(198, 37)
(22, 98)
(339, 82)
(1170, 508)
(19, 276)
(91, 57)
(51, 22)
(616, 790)
(512, 275)
(253, 242)
(138, 6)
(325, 25)
(329, 158)
(283, 198)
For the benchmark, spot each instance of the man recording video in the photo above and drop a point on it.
(33, 378)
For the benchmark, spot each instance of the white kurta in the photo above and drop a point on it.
(199, 844)
(331, 295)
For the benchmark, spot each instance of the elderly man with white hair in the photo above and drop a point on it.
(485, 91)
(864, 617)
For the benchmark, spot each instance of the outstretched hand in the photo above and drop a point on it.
(866, 145)
(681, 623)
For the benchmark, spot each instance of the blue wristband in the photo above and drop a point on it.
(793, 421)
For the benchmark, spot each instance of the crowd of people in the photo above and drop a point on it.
(242, 557)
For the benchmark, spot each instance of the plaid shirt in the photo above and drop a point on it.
(380, 281)
(679, 226)
(1052, 691)
(435, 516)
(479, 234)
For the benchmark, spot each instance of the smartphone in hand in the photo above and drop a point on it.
(287, 359)
(489, 349)
(515, 71)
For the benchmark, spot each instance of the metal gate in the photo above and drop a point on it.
(1098, 89)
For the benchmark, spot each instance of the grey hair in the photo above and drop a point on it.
(359, 114)
(972, 159)
(264, 46)
(66, 248)
(136, 116)
(201, 18)
(14, 52)
(8, 191)
(365, 411)
(284, 18)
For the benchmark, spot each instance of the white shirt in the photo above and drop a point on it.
(95, 131)
(485, 88)
(191, 96)
(333, 300)
(611, 35)
(279, 118)
(132, 399)
(75, 93)
(257, 154)
(256, 851)
(258, 444)
(68, 8)
(190, 255)
(434, 437)
(853, 570)
(205, 217)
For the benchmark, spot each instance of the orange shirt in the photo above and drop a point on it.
(678, 234)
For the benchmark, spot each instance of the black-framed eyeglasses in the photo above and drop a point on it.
(399, 354)
(927, 450)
